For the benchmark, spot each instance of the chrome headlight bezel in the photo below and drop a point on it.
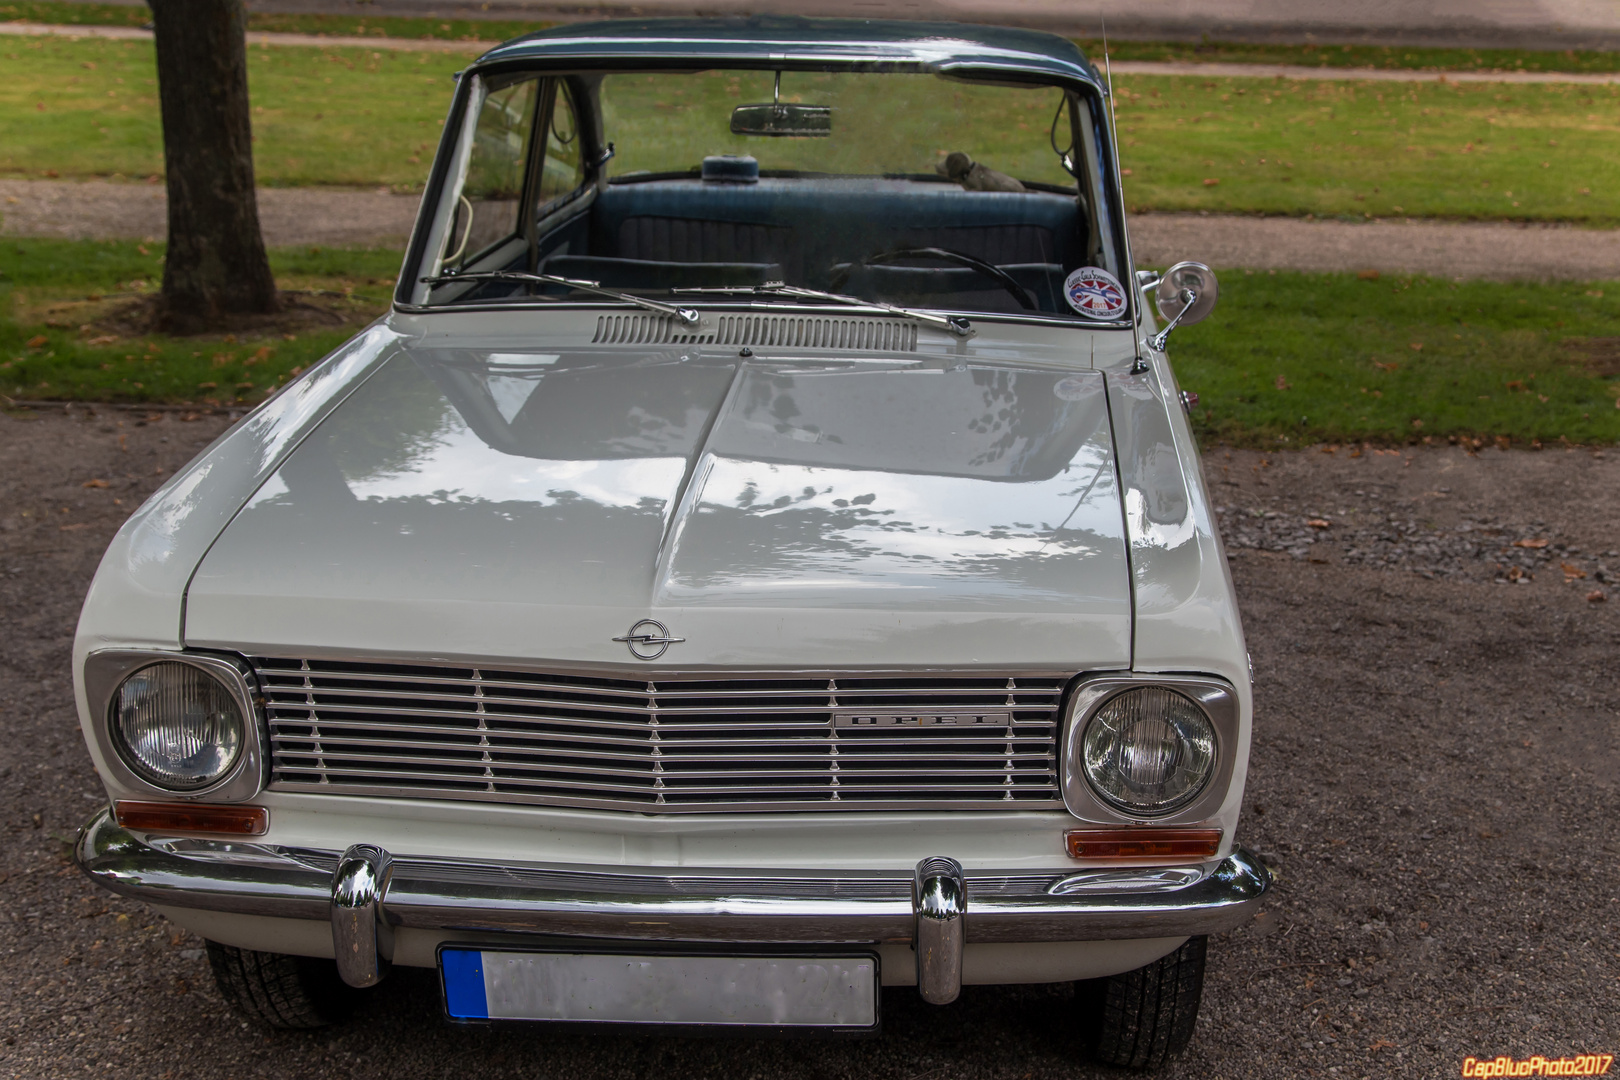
(1219, 703)
(104, 674)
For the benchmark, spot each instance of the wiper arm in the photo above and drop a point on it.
(951, 324)
(684, 315)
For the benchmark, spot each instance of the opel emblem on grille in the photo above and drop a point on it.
(648, 639)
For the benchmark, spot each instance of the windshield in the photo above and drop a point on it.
(903, 188)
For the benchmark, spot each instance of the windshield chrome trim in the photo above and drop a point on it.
(784, 306)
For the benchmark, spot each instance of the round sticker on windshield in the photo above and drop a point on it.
(1094, 293)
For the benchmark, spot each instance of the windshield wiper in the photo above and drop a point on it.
(684, 315)
(951, 324)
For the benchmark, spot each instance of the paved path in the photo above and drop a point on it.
(289, 217)
(1442, 249)
(298, 216)
(1123, 67)
(1299, 71)
(255, 37)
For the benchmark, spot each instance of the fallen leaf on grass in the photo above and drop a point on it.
(38, 341)
(94, 483)
(1367, 275)
(1282, 383)
(1596, 596)
(104, 339)
(1417, 346)
(1391, 366)
(1530, 543)
(1210, 181)
(208, 386)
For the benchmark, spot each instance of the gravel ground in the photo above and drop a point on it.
(290, 216)
(1452, 249)
(1433, 777)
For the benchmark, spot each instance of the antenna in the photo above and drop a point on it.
(1119, 185)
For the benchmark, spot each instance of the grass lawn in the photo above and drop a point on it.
(320, 116)
(1353, 56)
(49, 289)
(1472, 150)
(1492, 359)
(55, 11)
(363, 117)
(63, 14)
(1291, 358)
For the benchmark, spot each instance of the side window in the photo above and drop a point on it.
(563, 170)
(491, 198)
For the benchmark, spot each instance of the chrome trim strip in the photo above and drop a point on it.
(939, 900)
(106, 670)
(660, 905)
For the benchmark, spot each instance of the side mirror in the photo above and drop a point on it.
(1186, 294)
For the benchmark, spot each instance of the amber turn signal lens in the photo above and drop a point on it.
(187, 819)
(1143, 843)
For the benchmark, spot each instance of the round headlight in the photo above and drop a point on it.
(1149, 751)
(177, 726)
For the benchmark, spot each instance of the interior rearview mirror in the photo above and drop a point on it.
(804, 121)
(782, 118)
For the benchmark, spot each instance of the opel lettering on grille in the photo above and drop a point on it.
(952, 718)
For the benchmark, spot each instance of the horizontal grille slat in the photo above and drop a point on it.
(674, 744)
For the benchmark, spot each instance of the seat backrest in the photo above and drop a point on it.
(808, 226)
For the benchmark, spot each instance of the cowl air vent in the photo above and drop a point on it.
(788, 331)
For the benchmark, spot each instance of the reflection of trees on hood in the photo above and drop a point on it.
(1012, 420)
(796, 534)
(396, 422)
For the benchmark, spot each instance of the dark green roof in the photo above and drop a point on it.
(789, 42)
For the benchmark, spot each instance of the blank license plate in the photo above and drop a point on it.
(730, 991)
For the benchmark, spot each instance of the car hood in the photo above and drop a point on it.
(530, 507)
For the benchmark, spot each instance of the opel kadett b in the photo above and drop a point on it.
(761, 558)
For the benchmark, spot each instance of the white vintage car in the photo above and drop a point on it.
(761, 558)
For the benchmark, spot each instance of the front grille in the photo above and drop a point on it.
(674, 744)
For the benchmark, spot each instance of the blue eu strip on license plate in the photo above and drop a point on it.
(769, 991)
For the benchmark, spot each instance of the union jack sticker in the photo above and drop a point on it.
(1095, 293)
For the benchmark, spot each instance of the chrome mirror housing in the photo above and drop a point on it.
(1171, 299)
(1185, 295)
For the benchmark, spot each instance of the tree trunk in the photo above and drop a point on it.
(216, 266)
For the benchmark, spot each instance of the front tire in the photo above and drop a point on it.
(278, 991)
(1141, 1019)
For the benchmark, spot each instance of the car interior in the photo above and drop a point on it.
(918, 239)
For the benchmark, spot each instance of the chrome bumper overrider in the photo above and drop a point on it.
(366, 892)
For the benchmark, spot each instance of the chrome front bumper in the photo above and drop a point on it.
(366, 892)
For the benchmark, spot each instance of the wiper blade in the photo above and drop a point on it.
(951, 324)
(684, 315)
